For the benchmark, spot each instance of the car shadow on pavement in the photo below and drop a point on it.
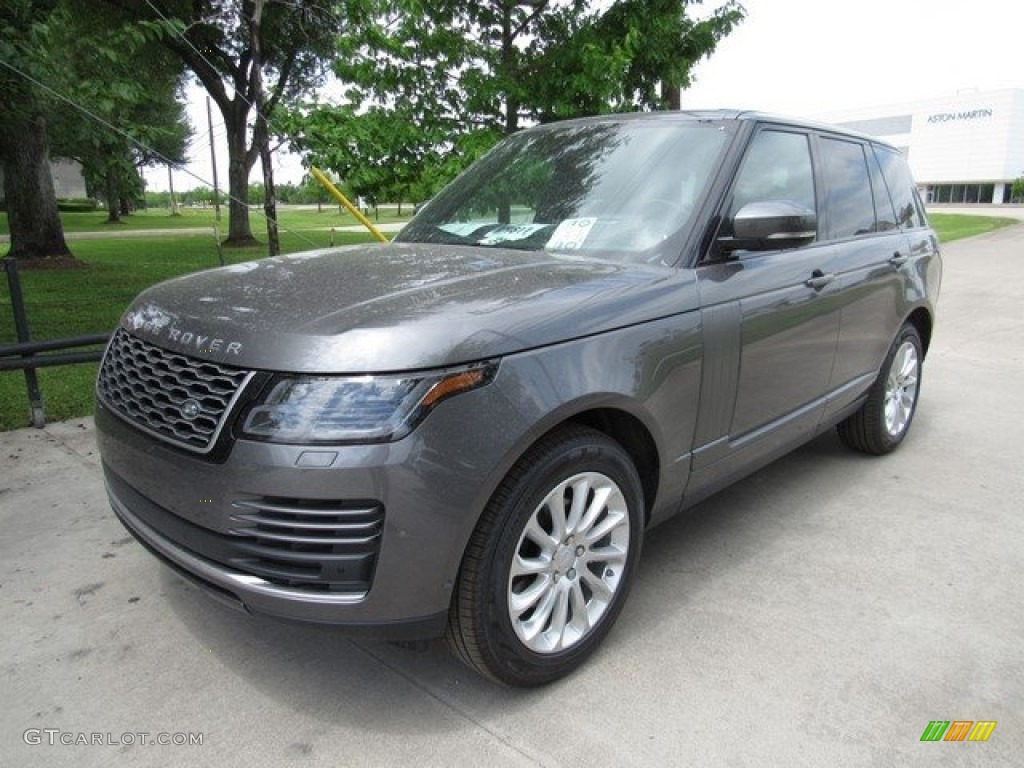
(321, 673)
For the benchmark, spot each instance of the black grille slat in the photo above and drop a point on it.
(285, 538)
(148, 386)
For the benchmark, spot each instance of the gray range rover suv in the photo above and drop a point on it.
(466, 432)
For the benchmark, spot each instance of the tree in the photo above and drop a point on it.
(1017, 190)
(383, 155)
(149, 118)
(434, 85)
(663, 45)
(232, 47)
(36, 231)
(255, 194)
(498, 63)
(312, 191)
(62, 48)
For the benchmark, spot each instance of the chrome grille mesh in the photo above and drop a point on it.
(158, 390)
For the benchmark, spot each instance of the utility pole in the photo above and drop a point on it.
(170, 185)
(213, 161)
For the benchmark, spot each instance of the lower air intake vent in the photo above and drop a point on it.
(310, 544)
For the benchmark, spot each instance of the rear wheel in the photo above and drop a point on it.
(884, 420)
(550, 563)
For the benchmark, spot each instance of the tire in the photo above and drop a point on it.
(884, 419)
(535, 598)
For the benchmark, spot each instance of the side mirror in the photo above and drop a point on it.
(770, 225)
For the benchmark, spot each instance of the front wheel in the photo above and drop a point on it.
(884, 420)
(551, 561)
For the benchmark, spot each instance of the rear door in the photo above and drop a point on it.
(859, 222)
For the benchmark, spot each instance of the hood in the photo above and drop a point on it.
(398, 307)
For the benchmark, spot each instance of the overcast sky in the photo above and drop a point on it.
(798, 57)
(807, 57)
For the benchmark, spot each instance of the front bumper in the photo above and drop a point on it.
(252, 594)
(406, 508)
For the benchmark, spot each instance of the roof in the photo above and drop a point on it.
(738, 115)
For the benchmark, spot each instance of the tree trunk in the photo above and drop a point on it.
(261, 131)
(33, 219)
(269, 194)
(113, 204)
(671, 95)
(239, 165)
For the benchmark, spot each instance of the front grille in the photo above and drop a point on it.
(180, 399)
(311, 544)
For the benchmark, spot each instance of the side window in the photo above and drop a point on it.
(849, 206)
(884, 213)
(777, 167)
(909, 212)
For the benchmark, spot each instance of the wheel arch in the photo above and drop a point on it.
(480, 634)
(634, 437)
(921, 319)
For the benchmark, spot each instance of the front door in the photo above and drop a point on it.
(771, 323)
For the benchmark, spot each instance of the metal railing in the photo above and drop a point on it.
(26, 354)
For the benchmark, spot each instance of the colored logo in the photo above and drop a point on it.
(958, 730)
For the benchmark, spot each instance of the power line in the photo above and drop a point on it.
(272, 226)
(206, 61)
(259, 115)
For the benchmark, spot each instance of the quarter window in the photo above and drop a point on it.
(849, 206)
(884, 214)
(909, 211)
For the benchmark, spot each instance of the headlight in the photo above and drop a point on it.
(355, 409)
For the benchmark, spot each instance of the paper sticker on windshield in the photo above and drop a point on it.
(506, 233)
(463, 228)
(570, 234)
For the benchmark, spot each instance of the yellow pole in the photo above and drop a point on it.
(336, 194)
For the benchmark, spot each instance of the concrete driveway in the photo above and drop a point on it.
(820, 613)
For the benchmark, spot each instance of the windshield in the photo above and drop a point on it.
(614, 190)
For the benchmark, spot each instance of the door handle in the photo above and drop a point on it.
(898, 259)
(819, 279)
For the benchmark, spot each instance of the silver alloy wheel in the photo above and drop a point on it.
(568, 563)
(901, 388)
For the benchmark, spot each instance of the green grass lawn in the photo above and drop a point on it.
(63, 303)
(289, 218)
(954, 226)
(76, 302)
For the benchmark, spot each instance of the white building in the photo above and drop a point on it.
(966, 148)
(68, 182)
